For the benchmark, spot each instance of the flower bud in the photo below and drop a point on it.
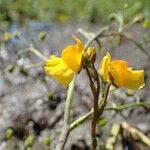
(91, 53)
(85, 60)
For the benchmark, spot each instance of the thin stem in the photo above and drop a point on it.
(97, 81)
(120, 20)
(69, 100)
(137, 134)
(93, 125)
(95, 37)
(139, 45)
(96, 110)
(65, 130)
(36, 52)
(79, 121)
(91, 81)
(95, 90)
(33, 50)
(121, 107)
(111, 141)
(96, 114)
(34, 66)
(85, 117)
(103, 104)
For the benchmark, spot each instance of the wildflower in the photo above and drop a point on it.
(62, 69)
(120, 74)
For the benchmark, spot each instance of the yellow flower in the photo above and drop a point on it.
(62, 69)
(120, 74)
(72, 55)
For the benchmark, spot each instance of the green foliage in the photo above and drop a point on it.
(29, 141)
(23, 71)
(65, 10)
(47, 141)
(9, 133)
(102, 122)
(42, 35)
(16, 9)
(50, 96)
(130, 92)
(10, 68)
(147, 23)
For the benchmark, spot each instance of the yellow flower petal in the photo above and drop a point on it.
(104, 66)
(117, 71)
(72, 55)
(134, 79)
(59, 70)
(124, 76)
(119, 74)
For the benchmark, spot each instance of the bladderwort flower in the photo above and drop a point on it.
(63, 68)
(120, 74)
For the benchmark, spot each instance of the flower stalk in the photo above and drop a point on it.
(95, 90)
(65, 130)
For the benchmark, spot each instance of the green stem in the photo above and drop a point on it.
(65, 130)
(69, 100)
(137, 134)
(104, 101)
(33, 66)
(121, 107)
(85, 117)
(111, 141)
(79, 121)
(97, 35)
(139, 45)
(36, 52)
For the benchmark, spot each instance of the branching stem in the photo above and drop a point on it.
(85, 117)
(96, 36)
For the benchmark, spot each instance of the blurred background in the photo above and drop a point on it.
(31, 103)
(70, 10)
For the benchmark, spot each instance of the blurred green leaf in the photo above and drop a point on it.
(17, 34)
(130, 92)
(50, 96)
(29, 141)
(47, 141)
(9, 133)
(147, 23)
(42, 35)
(102, 122)
(10, 68)
(101, 48)
(23, 71)
(43, 10)
(138, 18)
